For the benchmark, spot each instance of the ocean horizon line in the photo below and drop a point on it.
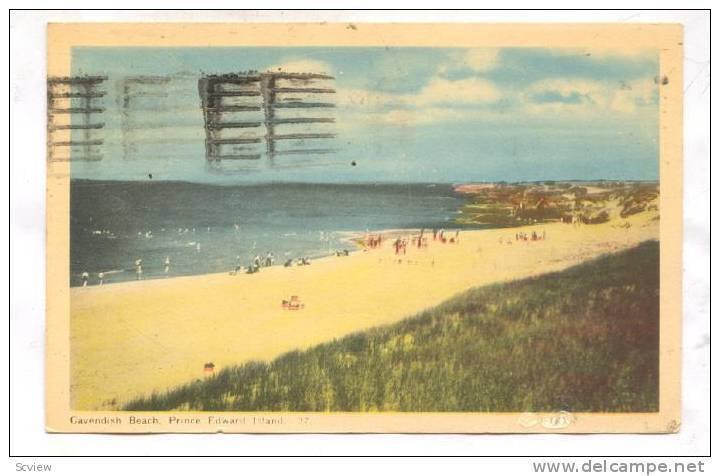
(359, 183)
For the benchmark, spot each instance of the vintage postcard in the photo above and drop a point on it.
(415, 228)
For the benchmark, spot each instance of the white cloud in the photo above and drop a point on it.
(631, 96)
(569, 93)
(437, 92)
(480, 60)
(462, 91)
(586, 97)
(483, 59)
(561, 99)
(440, 100)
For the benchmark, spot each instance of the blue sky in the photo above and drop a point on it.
(405, 114)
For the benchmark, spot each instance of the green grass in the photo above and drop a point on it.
(584, 339)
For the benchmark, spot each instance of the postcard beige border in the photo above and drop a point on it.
(666, 38)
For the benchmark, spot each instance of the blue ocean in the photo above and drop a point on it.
(180, 228)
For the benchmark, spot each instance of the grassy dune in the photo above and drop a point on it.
(583, 339)
(546, 202)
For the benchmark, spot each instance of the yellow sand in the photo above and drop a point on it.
(129, 339)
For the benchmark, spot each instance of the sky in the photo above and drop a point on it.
(402, 114)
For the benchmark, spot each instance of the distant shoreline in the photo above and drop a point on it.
(351, 238)
(116, 223)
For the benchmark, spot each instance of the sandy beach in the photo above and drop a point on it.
(130, 339)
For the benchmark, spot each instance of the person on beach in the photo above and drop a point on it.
(269, 259)
(138, 269)
(85, 276)
(167, 266)
(101, 278)
(256, 263)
